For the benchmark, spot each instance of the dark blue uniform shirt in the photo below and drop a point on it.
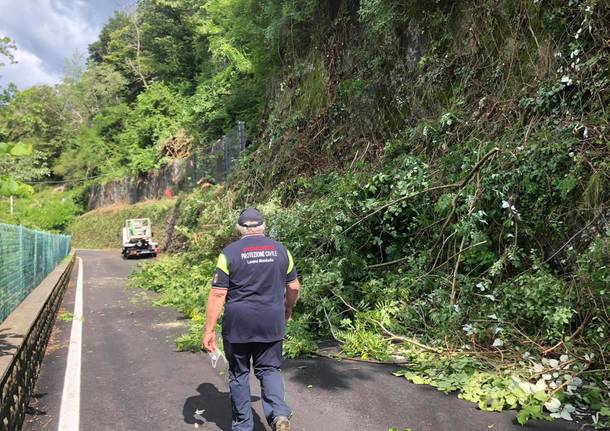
(255, 270)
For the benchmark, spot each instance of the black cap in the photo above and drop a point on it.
(250, 217)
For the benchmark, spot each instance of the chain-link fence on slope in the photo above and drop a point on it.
(26, 258)
(215, 162)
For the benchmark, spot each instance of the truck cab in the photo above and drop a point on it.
(138, 239)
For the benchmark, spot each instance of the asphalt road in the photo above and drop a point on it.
(132, 379)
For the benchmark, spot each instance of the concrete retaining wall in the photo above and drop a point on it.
(23, 340)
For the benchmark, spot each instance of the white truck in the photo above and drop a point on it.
(137, 239)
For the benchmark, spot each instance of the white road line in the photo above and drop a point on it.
(69, 414)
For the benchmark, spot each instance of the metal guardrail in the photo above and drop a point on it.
(26, 257)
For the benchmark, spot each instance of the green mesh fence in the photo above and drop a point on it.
(26, 258)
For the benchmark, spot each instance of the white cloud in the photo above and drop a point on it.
(46, 33)
(29, 70)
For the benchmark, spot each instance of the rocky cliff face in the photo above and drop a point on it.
(177, 175)
(205, 164)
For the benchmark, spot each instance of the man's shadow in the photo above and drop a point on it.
(216, 408)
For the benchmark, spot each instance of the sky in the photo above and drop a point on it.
(47, 32)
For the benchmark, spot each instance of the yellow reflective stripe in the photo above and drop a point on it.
(223, 264)
(290, 263)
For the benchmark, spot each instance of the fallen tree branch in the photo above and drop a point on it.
(377, 265)
(395, 337)
(455, 272)
(367, 361)
(457, 185)
(351, 307)
(330, 325)
(571, 239)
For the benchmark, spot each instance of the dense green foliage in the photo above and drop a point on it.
(442, 173)
(13, 169)
(166, 67)
(440, 170)
(46, 210)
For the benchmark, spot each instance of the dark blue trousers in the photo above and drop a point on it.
(266, 359)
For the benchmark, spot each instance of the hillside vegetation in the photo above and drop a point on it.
(48, 210)
(101, 228)
(440, 170)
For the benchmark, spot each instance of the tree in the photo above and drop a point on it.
(7, 46)
(170, 39)
(159, 113)
(9, 152)
(120, 46)
(98, 87)
(86, 154)
(9, 186)
(8, 94)
(36, 116)
(100, 49)
(156, 41)
(27, 167)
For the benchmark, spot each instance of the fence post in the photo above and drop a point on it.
(194, 168)
(241, 133)
(226, 156)
(21, 260)
(35, 257)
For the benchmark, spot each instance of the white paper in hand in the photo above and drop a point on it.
(215, 357)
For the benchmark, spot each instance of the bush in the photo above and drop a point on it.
(539, 303)
(185, 291)
(299, 337)
(46, 210)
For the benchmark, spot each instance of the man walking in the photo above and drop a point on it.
(257, 278)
